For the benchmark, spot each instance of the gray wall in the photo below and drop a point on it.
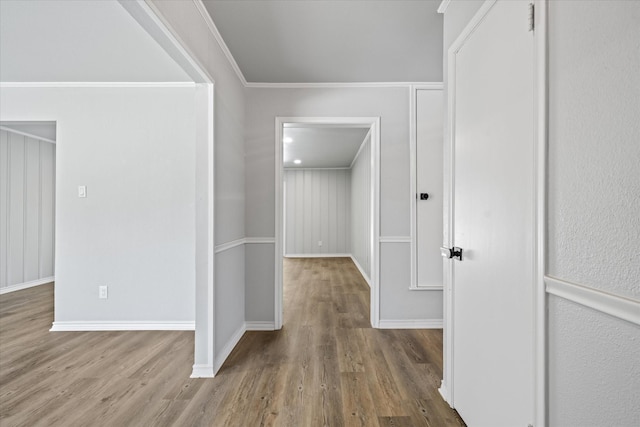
(392, 105)
(27, 202)
(594, 205)
(361, 208)
(317, 208)
(229, 119)
(134, 150)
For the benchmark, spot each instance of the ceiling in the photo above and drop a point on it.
(328, 41)
(79, 41)
(325, 146)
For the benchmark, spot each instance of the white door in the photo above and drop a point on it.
(493, 218)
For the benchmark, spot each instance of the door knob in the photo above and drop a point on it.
(453, 252)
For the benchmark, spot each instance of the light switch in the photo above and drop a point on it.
(82, 191)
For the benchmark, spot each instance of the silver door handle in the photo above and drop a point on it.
(450, 253)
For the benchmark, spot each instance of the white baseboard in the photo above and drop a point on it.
(260, 326)
(228, 348)
(411, 324)
(317, 255)
(359, 267)
(122, 326)
(26, 285)
(444, 393)
(202, 371)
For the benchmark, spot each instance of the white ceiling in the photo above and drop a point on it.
(302, 41)
(78, 41)
(325, 146)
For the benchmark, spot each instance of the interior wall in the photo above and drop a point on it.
(134, 150)
(593, 221)
(392, 105)
(27, 203)
(361, 209)
(229, 117)
(317, 209)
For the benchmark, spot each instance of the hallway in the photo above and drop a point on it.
(326, 367)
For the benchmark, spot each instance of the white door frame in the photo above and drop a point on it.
(374, 124)
(151, 20)
(539, 368)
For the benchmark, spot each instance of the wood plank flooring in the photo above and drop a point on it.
(326, 367)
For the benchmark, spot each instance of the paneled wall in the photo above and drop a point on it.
(361, 209)
(317, 212)
(27, 184)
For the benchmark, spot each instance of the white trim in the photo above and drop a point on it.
(216, 34)
(317, 255)
(229, 245)
(395, 239)
(410, 324)
(364, 275)
(293, 168)
(444, 6)
(449, 185)
(26, 285)
(260, 326)
(540, 297)
(614, 305)
(229, 346)
(374, 124)
(77, 326)
(154, 23)
(329, 85)
(413, 184)
(362, 144)
(427, 287)
(53, 85)
(202, 371)
(28, 135)
(259, 240)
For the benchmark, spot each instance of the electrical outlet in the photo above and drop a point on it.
(82, 191)
(319, 242)
(103, 292)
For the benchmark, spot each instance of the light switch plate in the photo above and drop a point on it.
(82, 191)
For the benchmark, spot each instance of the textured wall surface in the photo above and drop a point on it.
(594, 149)
(594, 371)
(594, 205)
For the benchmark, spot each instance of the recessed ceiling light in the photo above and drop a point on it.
(288, 140)
(297, 161)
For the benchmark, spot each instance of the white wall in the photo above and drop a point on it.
(594, 225)
(392, 105)
(317, 208)
(361, 208)
(27, 202)
(229, 117)
(134, 149)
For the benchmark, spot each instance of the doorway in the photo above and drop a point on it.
(309, 176)
(27, 204)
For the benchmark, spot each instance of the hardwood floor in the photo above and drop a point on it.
(326, 367)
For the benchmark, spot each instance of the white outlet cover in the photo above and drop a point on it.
(82, 191)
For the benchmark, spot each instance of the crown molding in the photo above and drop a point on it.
(443, 6)
(338, 85)
(97, 84)
(216, 34)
